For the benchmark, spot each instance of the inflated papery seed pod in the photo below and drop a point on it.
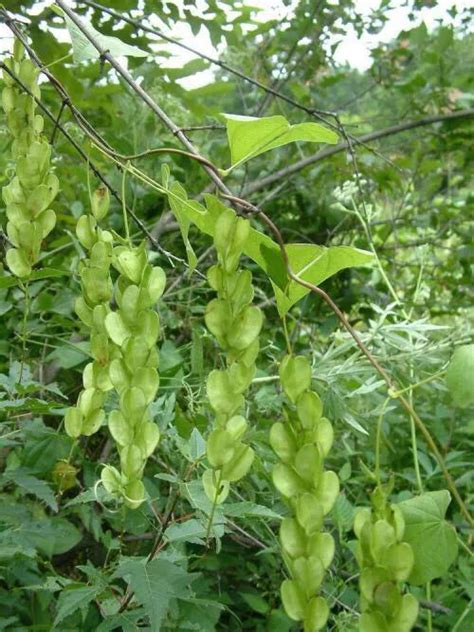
(301, 443)
(236, 325)
(133, 329)
(385, 562)
(29, 194)
(92, 308)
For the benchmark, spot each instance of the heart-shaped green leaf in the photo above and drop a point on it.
(432, 539)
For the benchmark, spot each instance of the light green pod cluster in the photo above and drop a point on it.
(236, 325)
(92, 307)
(301, 444)
(134, 328)
(29, 194)
(385, 562)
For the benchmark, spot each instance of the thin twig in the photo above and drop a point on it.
(55, 129)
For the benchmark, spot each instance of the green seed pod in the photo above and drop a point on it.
(385, 561)
(295, 376)
(308, 463)
(111, 479)
(316, 614)
(134, 494)
(236, 325)
(287, 481)
(309, 513)
(33, 188)
(236, 426)
(220, 447)
(73, 422)
(240, 464)
(223, 398)
(100, 203)
(230, 236)
(322, 545)
(292, 538)
(309, 573)
(216, 491)
(302, 444)
(310, 409)
(130, 262)
(283, 442)
(294, 599)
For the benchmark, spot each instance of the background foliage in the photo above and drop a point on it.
(66, 554)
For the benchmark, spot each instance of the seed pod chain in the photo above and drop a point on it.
(92, 308)
(385, 561)
(134, 329)
(301, 444)
(33, 188)
(236, 325)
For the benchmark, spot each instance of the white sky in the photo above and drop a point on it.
(352, 50)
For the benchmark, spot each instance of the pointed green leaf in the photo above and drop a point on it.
(315, 264)
(249, 136)
(83, 49)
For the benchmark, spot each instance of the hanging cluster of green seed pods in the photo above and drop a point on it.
(236, 325)
(123, 348)
(134, 328)
(29, 194)
(92, 307)
(301, 443)
(385, 562)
